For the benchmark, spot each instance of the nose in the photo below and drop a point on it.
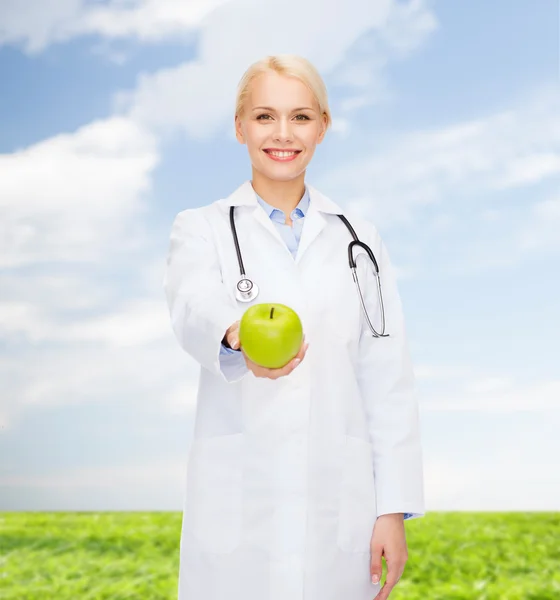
(283, 131)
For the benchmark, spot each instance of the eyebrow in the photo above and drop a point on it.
(272, 109)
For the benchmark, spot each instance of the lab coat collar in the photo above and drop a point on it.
(245, 195)
(302, 206)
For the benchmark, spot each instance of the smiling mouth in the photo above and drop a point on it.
(282, 156)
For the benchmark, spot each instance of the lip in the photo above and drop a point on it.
(281, 159)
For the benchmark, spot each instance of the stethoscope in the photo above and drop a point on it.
(247, 290)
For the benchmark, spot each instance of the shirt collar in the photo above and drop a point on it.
(300, 209)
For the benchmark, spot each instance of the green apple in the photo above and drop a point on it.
(270, 334)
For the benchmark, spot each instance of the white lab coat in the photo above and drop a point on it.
(286, 477)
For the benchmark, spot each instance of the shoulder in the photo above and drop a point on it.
(195, 218)
(355, 214)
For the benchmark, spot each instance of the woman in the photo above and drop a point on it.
(299, 478)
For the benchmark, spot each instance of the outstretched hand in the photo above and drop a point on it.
(232, 337)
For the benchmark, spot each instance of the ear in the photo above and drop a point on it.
(323, 128)
(238, 131)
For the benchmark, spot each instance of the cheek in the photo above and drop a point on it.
(254, 145)
(310, 137)
(254, 134)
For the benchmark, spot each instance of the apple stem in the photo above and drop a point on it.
(271, 312)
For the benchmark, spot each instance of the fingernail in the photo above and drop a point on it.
(296, 362)
(375, 579)
(235, 343)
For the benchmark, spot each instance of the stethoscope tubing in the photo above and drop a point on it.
(247, 290)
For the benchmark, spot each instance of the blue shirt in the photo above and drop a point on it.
(291, 236)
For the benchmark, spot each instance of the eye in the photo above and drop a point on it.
(305, 117)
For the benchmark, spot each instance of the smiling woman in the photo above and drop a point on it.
(299, 476)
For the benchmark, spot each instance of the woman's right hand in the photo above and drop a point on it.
(232, 337)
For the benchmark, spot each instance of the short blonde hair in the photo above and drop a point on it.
(290, 65)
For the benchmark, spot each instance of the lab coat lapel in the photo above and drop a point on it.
(315, 219)
(245, 196)
(312, 226)
(314, 223)
(259, 214)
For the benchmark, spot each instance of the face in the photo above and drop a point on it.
(289, 121)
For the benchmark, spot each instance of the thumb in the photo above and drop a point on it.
(376, 567)
(233, 338)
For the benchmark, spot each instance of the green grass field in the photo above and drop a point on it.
(95, 556)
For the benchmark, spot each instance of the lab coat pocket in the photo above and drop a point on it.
(357, 500)
(215, 492)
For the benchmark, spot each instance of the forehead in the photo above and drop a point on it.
(279, 91)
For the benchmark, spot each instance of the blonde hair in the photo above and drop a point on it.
(289, 65)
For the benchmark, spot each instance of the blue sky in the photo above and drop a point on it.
(446, 136)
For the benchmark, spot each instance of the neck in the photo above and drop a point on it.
(283, 195)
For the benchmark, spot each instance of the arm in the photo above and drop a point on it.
(387, 382)
(200, 308)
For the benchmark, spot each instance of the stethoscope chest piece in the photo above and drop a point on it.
(246, 290)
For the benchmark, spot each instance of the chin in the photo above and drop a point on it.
(283, 173)
(283, 176)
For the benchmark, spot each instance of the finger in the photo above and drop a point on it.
(390, 582)
(298, 357)
(384, 592)
(302, 350)
(287, 369)
(260, 371)
(282, 371)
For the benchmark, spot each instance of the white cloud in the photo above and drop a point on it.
(542, 231)
(157, 473)
(158, 484)
(36, 25)
(341, 126)
(191, 96)
(491, 484)
(93, 371)
(67, 349)
(528, 169)
(439, 372)
(182, 399)
(458, 162)
(62, 292)
(137, 322)
(492, 394)
(70, 198)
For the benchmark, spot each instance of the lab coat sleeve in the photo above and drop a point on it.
(387, 383)
(199, 306)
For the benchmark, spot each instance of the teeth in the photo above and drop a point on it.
(282, 154)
